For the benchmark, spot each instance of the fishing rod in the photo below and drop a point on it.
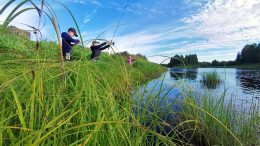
(97, 38)
(34, 28)
(121, 17)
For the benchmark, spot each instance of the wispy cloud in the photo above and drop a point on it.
(84, 2)
(95, 2)
(219, 25)
(79, 1)
(215, 28)
(88, 17)
(226, 24)
(227, 20)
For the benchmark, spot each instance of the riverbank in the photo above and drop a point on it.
(83, 103)
(247, 66)
(92, 103)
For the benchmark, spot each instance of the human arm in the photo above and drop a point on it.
(69, 39)
(107, 45)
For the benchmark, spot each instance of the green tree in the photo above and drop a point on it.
(238, 59)
(176, 61)
(250, 53)
(215, 63)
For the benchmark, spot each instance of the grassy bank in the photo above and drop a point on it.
(93, 103)
(247, 66)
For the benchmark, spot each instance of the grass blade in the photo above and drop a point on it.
(19, 107)
(6, 6)
(7, 20)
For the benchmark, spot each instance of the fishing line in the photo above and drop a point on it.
(97, 38)
(135, 42)
(51, 10)
(164, 56)
(121, 17)
(39, 23)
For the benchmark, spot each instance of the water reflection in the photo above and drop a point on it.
(210, 85)
(240, 86)
(248, 80)
(241, 83)
(190, 74)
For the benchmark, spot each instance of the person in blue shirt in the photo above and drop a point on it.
(96, 48)
(68, 42)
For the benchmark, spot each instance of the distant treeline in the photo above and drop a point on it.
(250, 54)
(179, 60)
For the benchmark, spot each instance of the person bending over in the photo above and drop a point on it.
(96, 48)
(68, 42)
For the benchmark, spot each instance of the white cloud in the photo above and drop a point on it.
(79, 1)
(219, 25)
(96, 2)
(90, 16)
(194, 2)
(86, 20)
(227, 22)
(150, 40)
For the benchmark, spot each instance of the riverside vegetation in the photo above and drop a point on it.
(211, 80)
(92, 103)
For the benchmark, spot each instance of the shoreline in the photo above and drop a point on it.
(243, 66)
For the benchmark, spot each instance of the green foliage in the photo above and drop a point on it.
(183, 61)
(204, 64)
(251, 54)
(212, 121)
(211, 80)
(136, 56)
(93, 106)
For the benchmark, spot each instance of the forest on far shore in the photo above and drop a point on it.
(250, 54)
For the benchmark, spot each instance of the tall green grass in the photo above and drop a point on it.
(94, 107)
(211, 80)
(192, 118)
(92, 103)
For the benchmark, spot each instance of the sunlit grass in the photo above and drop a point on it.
(92, 103)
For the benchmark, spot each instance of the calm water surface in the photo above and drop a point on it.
(242, 86)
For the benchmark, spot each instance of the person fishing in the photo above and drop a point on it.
(68, 42)
(130, 60)
(96, 48)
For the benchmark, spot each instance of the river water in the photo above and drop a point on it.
(241, 86)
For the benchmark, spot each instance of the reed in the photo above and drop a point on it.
(96, 103)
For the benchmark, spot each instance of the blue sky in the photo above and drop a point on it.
(213, 29)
